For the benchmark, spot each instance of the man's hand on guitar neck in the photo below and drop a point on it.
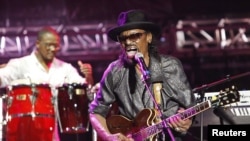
(178, 124)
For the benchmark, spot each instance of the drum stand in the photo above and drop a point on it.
(57, 114)
(94, 133)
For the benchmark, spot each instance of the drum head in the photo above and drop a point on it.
(75, 85)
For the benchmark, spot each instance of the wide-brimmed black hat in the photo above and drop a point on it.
(133, 19)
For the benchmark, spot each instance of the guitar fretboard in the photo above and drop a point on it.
(194, 110)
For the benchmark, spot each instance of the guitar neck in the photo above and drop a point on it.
(157, 128)
(192, 111)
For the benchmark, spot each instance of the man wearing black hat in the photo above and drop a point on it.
(146, 86)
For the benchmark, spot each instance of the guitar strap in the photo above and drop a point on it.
(157, 92)
(156, 79)
(157, 95)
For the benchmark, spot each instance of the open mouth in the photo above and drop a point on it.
(131, 49)
(131, 52)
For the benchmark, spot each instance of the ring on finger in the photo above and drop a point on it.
(177, 129)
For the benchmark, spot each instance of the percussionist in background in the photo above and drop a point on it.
(41, 67)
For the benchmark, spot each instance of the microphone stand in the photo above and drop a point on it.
(201, 91)
(165, 126)
(202, 94)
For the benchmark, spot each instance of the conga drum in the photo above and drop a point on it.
(73, 108)
(30, 113)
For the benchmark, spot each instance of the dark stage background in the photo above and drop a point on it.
(210, 37)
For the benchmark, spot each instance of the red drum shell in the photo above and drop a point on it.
(73, 108)
(30, 113)
(20, 100)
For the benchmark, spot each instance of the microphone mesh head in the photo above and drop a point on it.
(138, 55)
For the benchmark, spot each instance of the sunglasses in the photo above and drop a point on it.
(55, 46)
(132, 37)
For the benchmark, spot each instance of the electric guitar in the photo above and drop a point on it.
(143, 126)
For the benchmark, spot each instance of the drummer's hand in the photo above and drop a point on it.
(2, 65)
(86, 69)
(95, 88)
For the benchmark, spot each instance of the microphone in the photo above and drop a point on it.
(144, 70)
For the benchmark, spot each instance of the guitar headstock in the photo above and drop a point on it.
(225, 97)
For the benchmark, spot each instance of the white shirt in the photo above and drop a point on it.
(27, 69)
